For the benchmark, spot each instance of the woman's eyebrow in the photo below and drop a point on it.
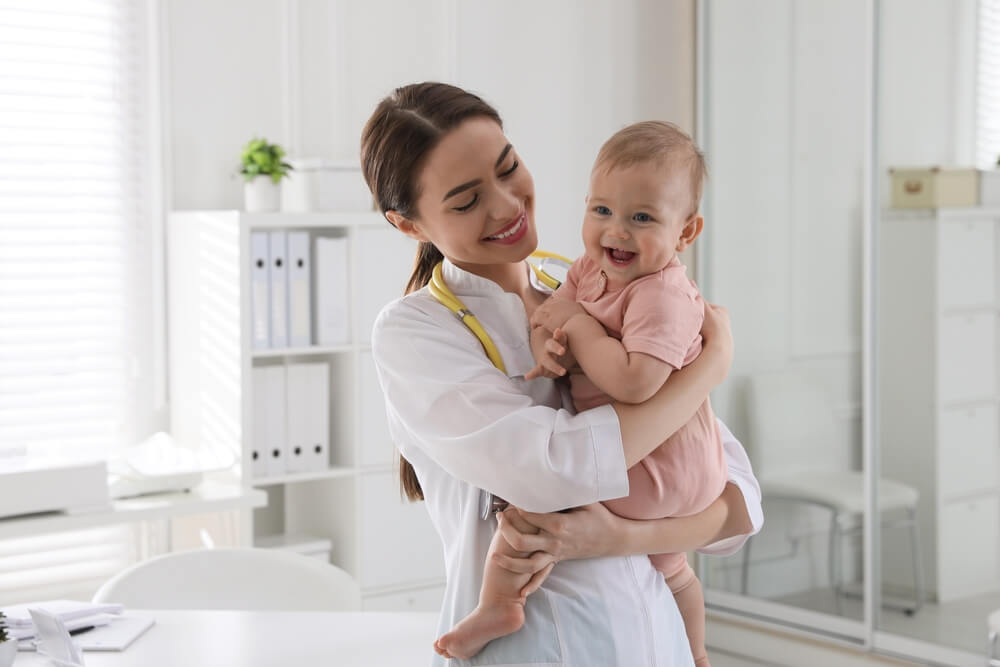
(471, 184)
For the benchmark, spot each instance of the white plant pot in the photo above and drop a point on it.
(261, 194)
(8, 651)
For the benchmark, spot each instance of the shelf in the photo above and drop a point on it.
(309, 351)
(208, 497)
(316, 220)
(291, 478)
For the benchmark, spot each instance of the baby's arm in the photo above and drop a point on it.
(630, 377)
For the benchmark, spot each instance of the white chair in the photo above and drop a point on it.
(242, 579)
(993, 623)
(794, 450)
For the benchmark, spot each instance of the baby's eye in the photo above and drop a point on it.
(602, 210)
(642, 217)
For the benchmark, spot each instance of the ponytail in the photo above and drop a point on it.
(427, 258)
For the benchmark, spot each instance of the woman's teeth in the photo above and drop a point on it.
(513, 230)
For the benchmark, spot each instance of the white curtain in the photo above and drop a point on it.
(74, 227)
(988, 85)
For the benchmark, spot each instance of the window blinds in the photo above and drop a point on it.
(988, 85)
(72, 180)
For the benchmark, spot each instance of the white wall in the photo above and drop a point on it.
(787, 102)
(564, 75)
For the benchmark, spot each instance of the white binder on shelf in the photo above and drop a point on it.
(318, 418)
(330, 269)
(278, 247)
(298, 407)
(269, 435)
(299, 301)
(260, 290)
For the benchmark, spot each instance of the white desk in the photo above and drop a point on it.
(272, 639)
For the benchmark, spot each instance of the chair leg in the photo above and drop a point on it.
(991, 649)
(745, 574)
(834, 558)
(918, 563)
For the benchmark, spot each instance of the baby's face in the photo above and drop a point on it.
(634, 220)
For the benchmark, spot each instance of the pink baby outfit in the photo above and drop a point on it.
(660, 315)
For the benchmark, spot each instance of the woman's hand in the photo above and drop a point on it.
(717, 335)
(591, 531)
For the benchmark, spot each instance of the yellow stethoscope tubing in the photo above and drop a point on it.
(439, 290)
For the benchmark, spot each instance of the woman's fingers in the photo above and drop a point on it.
(524, 542)
(533, 563)
(536, 580)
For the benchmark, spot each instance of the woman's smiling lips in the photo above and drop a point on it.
(512, 233)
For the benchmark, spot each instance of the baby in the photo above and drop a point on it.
(630, 316)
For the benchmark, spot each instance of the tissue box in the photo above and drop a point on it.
(934, 187)
(315, 184)
(30, 485)
(989, 187)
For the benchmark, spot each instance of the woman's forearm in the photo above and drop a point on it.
(646, 425)
(726, 517)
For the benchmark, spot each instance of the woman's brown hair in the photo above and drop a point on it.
(402, 131)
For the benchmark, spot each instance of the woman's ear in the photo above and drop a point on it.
(692, 228)
(405, 225)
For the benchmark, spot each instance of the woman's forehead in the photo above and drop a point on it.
(466, 152)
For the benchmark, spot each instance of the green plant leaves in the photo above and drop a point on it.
(260, 158)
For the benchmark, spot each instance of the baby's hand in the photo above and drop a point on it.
(556, 360)
(555, 312)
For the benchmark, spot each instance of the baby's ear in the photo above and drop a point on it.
(692, 228)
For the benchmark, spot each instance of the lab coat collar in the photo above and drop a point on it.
(501, 314)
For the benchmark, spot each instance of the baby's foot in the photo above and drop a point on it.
(479, 628)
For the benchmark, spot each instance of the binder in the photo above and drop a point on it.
(260, 290)
(278, 247)
(269, 435)
(259, 438)
(330, 268)
(318, 419)
(299, 302)
(298, 408)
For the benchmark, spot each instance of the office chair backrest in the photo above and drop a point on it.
(791, 425)
(244, 579)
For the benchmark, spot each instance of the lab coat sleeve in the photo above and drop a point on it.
(479, 426)
(740, 474)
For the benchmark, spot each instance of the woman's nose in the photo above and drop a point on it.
(505, 204)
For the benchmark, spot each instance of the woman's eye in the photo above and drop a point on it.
(511, 170)
(462, 209)
(641, 217)
(602, 210)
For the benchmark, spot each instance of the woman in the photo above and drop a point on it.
(442, 171)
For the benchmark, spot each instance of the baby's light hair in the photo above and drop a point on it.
(660, 143)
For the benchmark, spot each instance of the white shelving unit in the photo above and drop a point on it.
(939, 276)
(389, 545)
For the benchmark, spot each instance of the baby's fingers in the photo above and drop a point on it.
(554, 348)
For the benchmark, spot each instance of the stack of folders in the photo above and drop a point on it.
(291, 419)
(107, 627)
(282, 280)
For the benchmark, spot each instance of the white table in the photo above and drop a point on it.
(272, 639)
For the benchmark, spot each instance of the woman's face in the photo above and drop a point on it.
(477, 199)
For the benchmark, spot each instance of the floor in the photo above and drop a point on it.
(719, 659)
(960, 624)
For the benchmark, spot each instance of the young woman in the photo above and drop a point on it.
(442, 171)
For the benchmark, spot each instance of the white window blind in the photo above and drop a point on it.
(72, 223)
(988, 85)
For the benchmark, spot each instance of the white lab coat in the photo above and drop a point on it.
(465, 426)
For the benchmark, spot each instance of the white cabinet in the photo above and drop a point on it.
(350, 498)
(938, 388)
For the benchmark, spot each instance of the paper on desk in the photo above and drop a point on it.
(96, 620)
(66, 610)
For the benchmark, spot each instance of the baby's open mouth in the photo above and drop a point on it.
(619, 257)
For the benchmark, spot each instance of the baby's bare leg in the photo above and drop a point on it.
(501, 606)
(691, 602)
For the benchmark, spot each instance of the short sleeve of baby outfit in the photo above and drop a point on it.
(663, 318)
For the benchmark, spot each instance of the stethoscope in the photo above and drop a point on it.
(488, 503)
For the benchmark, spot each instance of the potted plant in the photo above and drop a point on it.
(262, 168)
(8, 645)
